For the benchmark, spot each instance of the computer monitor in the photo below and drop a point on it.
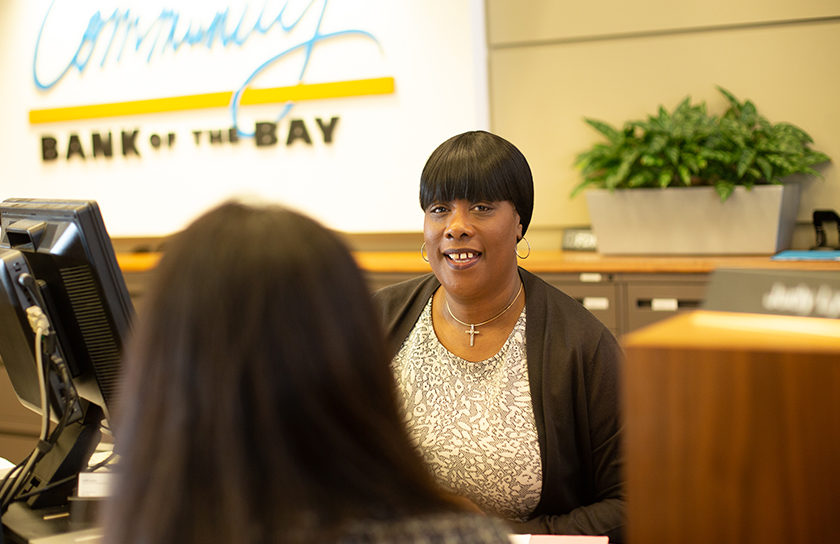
(56, 256)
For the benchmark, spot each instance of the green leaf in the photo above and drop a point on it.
(766, 168)
(746, 160)
(733, 102)
(724, 189)
(620, 174)
(815, 157)
(657, 143)
(639, 179)
(748, 113)
(613, 135)
(685, 176)
(691, 161)
(781, 162)
(580, 187)
(647, 160)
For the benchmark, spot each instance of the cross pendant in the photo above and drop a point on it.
(472, 332)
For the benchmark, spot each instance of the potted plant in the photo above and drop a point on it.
(724, 166)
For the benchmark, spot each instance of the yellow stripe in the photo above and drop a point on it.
(310, 91)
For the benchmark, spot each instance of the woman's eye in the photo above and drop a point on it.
(437, 209)
(481, 208)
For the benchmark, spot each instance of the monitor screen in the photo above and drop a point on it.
(57, 265)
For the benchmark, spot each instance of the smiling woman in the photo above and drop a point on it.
(509, 386)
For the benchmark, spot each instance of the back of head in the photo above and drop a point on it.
(257, 394)
(477, 166)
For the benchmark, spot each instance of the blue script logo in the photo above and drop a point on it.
(170, 30)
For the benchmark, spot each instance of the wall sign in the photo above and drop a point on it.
(159, 110)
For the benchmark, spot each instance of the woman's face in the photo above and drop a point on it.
(472, 245)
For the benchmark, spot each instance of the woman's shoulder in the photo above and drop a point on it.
(400, 305)
(401, 293)
(406, 286)
(431, 528)
(551, 308)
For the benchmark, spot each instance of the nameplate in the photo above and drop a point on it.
(807, 293)
(95, 485)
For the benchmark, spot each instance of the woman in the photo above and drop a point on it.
(509, 387)
(258, 402)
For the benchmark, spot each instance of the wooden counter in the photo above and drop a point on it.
(550, 262)
(732, 431)
(624, 292)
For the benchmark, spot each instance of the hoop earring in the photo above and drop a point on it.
(523, 257)
(423, 256)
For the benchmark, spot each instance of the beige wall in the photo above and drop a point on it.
(552, 63)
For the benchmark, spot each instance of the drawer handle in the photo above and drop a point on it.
(666, 304)
(596, 303)
(590, 277)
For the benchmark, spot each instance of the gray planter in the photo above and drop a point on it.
(693, 220)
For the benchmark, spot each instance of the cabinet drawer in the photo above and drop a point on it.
(647, 304)
(597, 294)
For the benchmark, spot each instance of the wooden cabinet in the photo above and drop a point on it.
(652, 297)
(623, 302)
(599, 293)
(732, 429)
(624, 292)
(19, 426)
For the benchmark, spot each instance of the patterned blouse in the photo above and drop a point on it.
(473, 421)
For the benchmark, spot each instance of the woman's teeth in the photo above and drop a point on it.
(462, 256)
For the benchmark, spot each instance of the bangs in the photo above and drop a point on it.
(464, 168)
(462, 179)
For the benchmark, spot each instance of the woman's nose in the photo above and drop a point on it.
(459, 224)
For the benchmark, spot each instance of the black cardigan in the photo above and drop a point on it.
(573, 367)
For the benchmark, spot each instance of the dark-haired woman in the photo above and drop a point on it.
(258, 401)
(509, 387)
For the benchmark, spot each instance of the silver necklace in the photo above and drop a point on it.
(471, 331)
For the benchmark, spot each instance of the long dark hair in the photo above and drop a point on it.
(479, 165)
(258, 403)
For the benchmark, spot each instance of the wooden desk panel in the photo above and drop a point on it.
(733, 429)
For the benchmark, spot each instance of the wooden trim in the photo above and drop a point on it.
(548, 262)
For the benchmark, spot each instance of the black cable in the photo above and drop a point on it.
(69, 395)
(6, 480)
(102, 463)
(45, 488)
(45, 446)
(29, 282)
(6, 499)
(65, 480)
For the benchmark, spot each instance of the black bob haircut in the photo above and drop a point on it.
(478, 166)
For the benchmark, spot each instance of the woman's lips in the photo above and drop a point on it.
(462, 258)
